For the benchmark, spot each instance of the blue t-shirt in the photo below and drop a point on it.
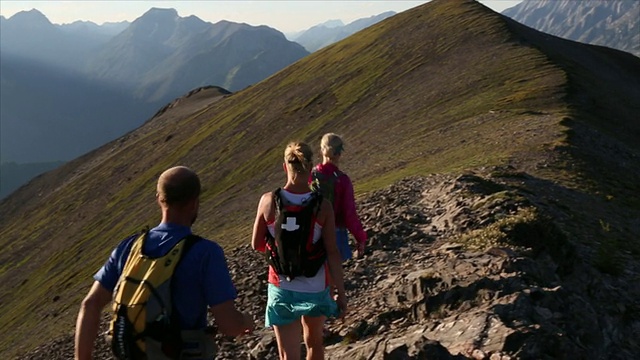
(201, 279)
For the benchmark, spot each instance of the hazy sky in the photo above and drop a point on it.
(286, 16)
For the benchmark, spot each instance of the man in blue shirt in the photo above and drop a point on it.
(201, 279)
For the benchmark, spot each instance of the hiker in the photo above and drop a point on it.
(336, 186)
(293, 220)
(200, 281)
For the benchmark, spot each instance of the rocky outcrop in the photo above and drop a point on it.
(474, 266)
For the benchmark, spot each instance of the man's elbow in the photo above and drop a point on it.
(92, 304)
(97, 298)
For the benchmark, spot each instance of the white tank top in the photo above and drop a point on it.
(305, 284)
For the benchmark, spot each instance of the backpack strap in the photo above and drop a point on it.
(277, 201)
(135, 249)
(271, 251)
(318, 198)
(272, 209)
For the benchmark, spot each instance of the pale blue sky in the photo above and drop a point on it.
(286, 16)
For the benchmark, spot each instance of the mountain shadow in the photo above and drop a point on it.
(49, 114)
(439, 89)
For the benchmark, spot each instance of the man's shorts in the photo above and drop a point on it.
(286, 306)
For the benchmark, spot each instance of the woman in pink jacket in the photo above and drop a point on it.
(336, 186)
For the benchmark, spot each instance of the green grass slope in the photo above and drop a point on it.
(443, 87)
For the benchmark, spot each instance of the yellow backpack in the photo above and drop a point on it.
(144, 325)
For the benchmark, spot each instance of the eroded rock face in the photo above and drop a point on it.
(471, 266)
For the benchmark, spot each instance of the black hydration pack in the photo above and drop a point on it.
(292, 251)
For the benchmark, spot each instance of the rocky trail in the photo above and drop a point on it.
(470, 266)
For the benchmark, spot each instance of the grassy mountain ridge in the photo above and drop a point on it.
(441, 88)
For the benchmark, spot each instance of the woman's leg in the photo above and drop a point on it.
(288, 337)
(313, 336)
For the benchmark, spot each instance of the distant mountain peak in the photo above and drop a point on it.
(322, 35)
(33, 12)
(83, 22)
(385, 14)
(332, 23)
(156, 24)
(161, 14)
(31, 17)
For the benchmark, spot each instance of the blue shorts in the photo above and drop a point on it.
(342, 240)
(286, 306)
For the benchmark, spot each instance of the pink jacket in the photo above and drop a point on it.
(344, 204)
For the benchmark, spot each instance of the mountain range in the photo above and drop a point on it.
(330, 32)
(91, 84)
(30, 35)
(611, 23)
(161, 55)
(539, 133)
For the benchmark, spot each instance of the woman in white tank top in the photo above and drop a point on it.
(304, 302)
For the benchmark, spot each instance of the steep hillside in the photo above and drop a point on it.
(611, 23)
(441, 88)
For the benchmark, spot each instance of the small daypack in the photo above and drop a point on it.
(292, 251)
(144, 323)
(325, 184)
